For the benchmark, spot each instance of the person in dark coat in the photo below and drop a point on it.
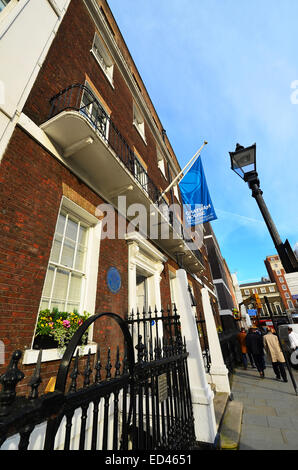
(255, 345)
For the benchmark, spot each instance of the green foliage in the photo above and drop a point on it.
(60, 325)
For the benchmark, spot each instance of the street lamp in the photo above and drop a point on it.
(243, 162)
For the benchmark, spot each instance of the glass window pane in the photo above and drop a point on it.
(71, 306)
(80, 258)
(82, 236)
(75, 288)
(61, 224)
(60, 286)
(44, 305)
(59, 305)
(68, 251)
(48, 282)
(71, 230)
(56, 248)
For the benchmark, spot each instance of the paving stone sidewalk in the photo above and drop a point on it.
(270, 410)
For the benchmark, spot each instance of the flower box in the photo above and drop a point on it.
(55, 329)
(45, 342)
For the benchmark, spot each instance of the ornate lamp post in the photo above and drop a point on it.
(243, 162)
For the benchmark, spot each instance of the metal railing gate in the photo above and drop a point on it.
(140, 402)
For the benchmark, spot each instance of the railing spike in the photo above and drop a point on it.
(74, 374)
(109, 365)
(117, 364)
(98, 366)
(36, 380)
(9, 381)
(88, 370)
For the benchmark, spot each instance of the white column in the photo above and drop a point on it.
(132, 277)
(201, 393)
(218, 369)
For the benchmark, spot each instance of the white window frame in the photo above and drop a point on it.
(100, 52)
(88, 298)
(281, 280)
(290, 304)
(161, 163)
(57, 265)
(263, 290)
(139, 122)
(271, 289)
(265, 310)
(284, 287)
(246, 291)
(278, 308)
(287, 295)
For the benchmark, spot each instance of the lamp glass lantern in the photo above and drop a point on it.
(243, 160)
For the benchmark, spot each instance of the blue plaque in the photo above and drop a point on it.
(113, 280)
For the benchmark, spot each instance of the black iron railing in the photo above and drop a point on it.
(163, 393)
(141, 401)
(80, 98)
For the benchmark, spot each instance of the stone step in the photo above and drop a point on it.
(220, 403)
(231, 426)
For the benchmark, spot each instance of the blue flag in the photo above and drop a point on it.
(198, 207)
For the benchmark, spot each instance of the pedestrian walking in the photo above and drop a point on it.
(244, 352)
(242, 341)
(255, 345)
(272, 347)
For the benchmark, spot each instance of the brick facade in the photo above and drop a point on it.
(33, 183)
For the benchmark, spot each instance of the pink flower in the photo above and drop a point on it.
(51, 325)
(66, 323)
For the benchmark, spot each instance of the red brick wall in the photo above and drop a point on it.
(68, 61)
(31, 191)
(32, 188)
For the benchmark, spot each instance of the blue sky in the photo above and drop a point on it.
(221, 71)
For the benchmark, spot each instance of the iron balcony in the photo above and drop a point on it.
(91, 145)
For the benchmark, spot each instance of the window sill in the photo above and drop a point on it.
(30, 355)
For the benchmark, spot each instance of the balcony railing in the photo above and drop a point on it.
(80, 98)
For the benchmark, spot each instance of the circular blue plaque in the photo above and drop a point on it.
(113, 280)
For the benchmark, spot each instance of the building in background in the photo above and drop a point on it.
(245, 319)
(278, 275)
(264, 288)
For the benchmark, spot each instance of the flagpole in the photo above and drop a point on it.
(179, 175)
